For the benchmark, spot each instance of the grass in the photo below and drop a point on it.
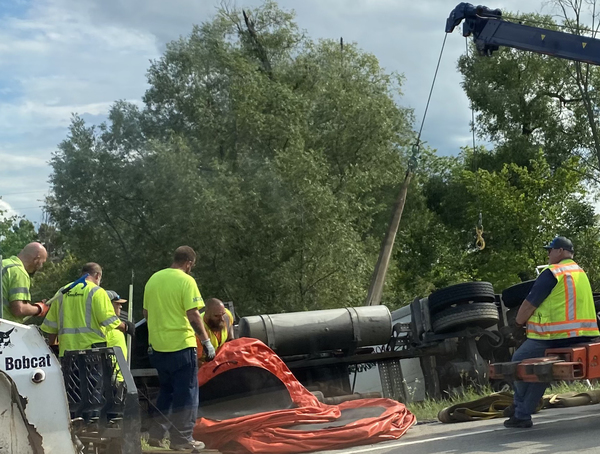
(429, 409)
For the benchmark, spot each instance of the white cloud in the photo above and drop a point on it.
(65, 56)
(6, 210)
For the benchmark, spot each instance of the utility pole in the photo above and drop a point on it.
(378, 278)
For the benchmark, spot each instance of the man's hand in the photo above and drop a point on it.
(130, 328)
(43, 308)
(208, 349)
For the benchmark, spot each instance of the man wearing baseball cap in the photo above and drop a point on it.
(116, 338)
(558, 312)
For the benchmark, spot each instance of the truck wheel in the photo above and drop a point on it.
(461, 293)
(514, 296)
(596, 296)
(482, 315)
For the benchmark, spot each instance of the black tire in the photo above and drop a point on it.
(514, 296)
(596, 296)
(461, 293)
(460, 317)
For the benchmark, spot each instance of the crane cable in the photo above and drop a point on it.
(415, 149)
(480, 241)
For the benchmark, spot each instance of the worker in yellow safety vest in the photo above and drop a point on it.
(114, 337)
(218, 323)
(16, 282)
(83, 317)
(558, 312)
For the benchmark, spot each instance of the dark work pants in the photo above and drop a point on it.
(528, 395)
(178, 396)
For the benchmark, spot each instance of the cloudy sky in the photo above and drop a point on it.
(59, 57)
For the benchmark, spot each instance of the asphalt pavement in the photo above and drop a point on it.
(564, 430)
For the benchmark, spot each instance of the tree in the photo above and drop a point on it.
(523, 206)
(15, 232)
(270, 154)
(527, 101)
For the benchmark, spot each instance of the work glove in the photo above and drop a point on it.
(208, 349)
(519, 333)
(43, 307)
(129, 328)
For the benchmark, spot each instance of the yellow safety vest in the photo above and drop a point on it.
(569, 309)
(213, 337)
(81, 317)
(15, 286)
(116, 338)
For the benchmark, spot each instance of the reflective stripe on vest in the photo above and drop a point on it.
(88, 317)
(551, 321)
(5, 302)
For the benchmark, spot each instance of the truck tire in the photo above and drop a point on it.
(514, 296)
(461, 293)
(456, 318)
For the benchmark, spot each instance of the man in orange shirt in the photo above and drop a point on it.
(218, 323)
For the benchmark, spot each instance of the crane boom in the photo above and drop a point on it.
(490, 31)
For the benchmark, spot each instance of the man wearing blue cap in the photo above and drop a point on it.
(558, 312)
(116, 338)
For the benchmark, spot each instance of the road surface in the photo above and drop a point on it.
(565, 430)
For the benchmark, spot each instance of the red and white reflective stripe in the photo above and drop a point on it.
(562, 327)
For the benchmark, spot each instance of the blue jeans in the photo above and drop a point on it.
(178, 396)
(528, 395)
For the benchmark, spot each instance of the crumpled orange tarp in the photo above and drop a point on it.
(272, 432)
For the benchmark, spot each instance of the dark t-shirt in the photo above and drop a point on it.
(541, 288)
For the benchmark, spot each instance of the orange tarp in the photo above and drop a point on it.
(278, 431)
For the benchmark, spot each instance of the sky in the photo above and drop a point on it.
(60, 57)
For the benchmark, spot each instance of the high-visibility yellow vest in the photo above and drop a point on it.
(569, 309)
(15, 286)
(116, 338)
(214, 340)
(81, 317)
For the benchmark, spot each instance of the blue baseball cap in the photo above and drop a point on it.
(560, 242)
(114, 297)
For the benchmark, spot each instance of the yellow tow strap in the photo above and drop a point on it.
(492, 406)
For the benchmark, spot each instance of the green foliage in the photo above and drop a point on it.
(15, 233)
(527, 101)
(54, 275)
(271, 155)
(278, 158)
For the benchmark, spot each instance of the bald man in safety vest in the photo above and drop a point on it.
(16, 281)
(218, 323)
(558, 312)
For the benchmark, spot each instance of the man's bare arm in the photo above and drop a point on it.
(23, 308)
(525, 311)
(195, 319)
(52, 339)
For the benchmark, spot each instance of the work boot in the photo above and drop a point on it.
(155, 442)
(516, 423)
(190, 446)
(509, 411)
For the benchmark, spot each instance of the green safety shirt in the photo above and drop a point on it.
(569, 309)
(81, 317)
(168, 295)
(15, 286)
